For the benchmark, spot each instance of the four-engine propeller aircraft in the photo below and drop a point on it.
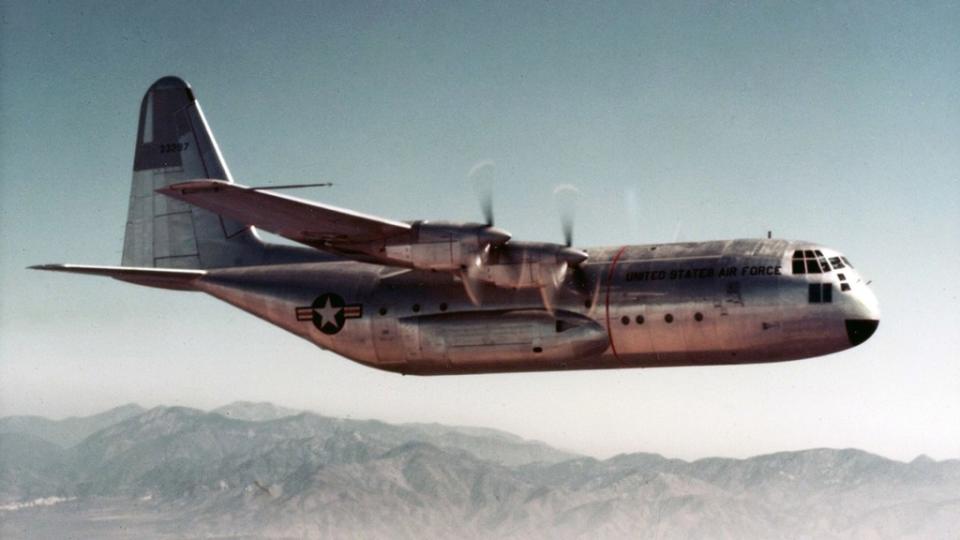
(445, 298)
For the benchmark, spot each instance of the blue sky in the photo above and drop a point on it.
(834, 123)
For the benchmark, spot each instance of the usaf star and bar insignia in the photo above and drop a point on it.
(329, 313)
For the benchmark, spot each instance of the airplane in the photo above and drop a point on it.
(434, 298)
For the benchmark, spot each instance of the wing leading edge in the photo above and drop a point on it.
(314, 224)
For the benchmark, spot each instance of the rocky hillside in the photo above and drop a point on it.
(255, 470)
(69, 431)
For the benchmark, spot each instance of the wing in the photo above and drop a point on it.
(314, 224)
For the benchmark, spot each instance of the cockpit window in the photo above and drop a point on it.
(814, 261)
(809, 261)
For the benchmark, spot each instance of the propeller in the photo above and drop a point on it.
(471, 276)
(551, 279)
(481, 177)
(547, 265)
(566, 197)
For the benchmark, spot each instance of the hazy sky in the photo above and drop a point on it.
(838, 124)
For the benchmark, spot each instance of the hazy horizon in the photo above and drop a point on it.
(297, 411)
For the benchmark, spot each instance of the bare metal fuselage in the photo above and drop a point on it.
(442, 298)
(727, 302)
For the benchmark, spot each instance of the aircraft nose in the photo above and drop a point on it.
(860, 329)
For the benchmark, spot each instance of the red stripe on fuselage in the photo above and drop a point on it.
(613, 265)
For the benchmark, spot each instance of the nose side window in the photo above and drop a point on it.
(820, 293)
(815, 293)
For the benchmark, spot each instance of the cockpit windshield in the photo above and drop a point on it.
(813, 261)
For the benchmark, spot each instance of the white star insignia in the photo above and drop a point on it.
(328, 314)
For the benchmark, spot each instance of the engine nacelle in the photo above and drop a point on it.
(444, 246)
(525, 264)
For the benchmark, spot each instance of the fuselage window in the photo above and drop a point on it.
(698, 316)
(845, 287)
(668, 318)
(625, 320)
(639, 319)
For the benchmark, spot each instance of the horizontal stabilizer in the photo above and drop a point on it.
(163, 278)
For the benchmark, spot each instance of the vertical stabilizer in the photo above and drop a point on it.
(174, 144)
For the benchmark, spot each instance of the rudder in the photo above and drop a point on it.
(175, 144)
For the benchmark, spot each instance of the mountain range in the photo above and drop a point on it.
(256, 470)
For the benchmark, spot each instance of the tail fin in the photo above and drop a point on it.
(174, 144)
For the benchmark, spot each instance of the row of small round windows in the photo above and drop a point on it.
(624, 320)
(668, 318)
(415, 308)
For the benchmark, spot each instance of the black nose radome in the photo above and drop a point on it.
(860, 330)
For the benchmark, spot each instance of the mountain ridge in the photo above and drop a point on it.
(67, 431)
(179, 471)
